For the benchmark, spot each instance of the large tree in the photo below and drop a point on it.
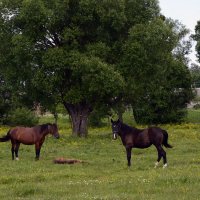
(155, 69)
(86, 53)
(60, 50)
(196, 37)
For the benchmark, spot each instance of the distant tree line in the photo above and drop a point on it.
(93, 56)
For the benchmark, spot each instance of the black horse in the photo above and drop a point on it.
(141, 138)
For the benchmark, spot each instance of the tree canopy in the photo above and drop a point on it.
(195, 73)
(196, 37)
(154, 66)
(86, 53)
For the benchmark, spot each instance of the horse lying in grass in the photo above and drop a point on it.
(29, 136)
(141, 138)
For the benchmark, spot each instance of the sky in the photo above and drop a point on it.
(186, 11)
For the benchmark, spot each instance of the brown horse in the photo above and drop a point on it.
(29, 136)
(137, 138)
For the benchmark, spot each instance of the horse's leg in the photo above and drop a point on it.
(159, 156)
(13, 149)
(37, 151)
(128, 153)
(16, 150)
(161, 153)
(164, 159)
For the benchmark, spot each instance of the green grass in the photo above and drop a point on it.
(105, 174)
(193, 116)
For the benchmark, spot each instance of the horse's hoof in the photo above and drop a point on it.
(17, 158)
(156, 164)
(165, 165)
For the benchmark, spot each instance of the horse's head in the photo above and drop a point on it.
(116, 125)
(53, 129)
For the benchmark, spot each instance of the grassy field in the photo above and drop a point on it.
(193, 115)
(105, 174)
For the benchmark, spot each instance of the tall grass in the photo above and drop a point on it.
(105, 174)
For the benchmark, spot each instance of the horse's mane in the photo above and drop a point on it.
(43, 127)
(126, 128)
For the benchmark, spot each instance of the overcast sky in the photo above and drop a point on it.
(186, 11)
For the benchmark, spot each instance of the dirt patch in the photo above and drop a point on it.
(67, 161)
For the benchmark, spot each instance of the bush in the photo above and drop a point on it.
(197, 106)
(95, 119)
(98, 114)
(151, 115)
(22, 117)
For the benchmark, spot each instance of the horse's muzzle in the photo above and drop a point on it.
(114, 136)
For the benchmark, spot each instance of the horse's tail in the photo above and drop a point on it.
(6, 137)
(165, 139)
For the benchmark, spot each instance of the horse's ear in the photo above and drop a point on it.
(118, 121)
(111, 121)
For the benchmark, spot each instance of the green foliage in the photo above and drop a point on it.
(89, 77)
(197, 106)
(60, 51)
(195, 73)
(23, 117)
(141, 11)
(4, 100)
(95, 119)
(196, 37)
(99, 115)
(155, 86)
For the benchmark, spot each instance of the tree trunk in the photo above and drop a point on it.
(55, 114)
(120, 115)
(79, 118)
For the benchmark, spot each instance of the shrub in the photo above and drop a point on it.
(150, 115)
(95, 119)
(22, 117)
(197, 106)
(98, 114)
